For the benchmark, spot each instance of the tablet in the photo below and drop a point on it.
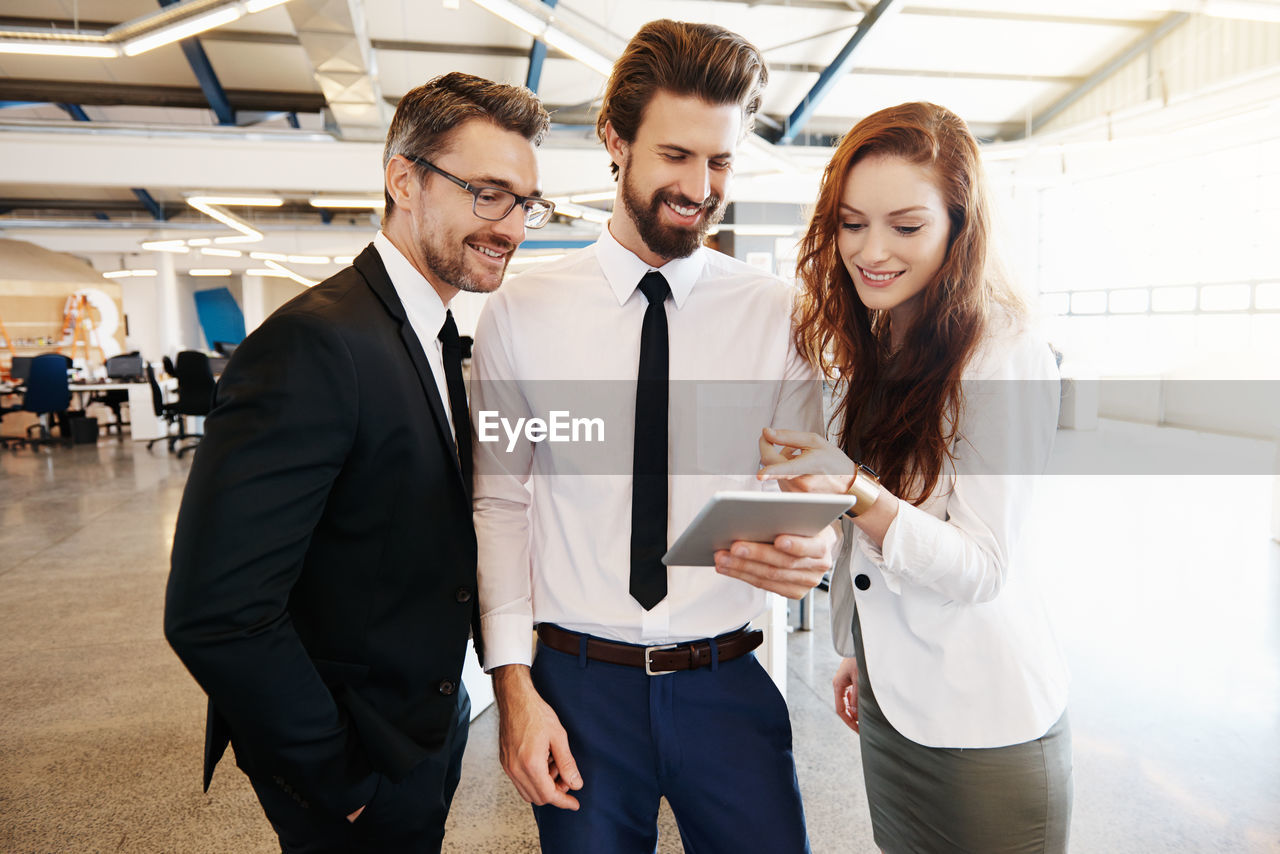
(758, 517)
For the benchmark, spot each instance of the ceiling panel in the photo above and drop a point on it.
(259, 66)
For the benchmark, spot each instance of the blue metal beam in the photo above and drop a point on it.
(838, 68)
(4, 105)
(77, 112)
(150, 203)
(205, 76)
(537, 55)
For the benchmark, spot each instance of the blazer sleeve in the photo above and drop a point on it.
(282, 425)
(1006, 436)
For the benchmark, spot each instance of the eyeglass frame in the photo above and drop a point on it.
(475, 192)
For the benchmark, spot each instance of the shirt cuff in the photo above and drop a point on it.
(508, 639)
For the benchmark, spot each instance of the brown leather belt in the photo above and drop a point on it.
(664, 658)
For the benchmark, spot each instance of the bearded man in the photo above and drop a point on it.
(645, 685)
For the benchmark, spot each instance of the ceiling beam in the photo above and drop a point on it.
(135, 95)
(537, 54)
(838, 68)
(1110, 67)
(205, 75)
(77, 112)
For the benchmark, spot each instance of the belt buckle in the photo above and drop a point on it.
(648, 665)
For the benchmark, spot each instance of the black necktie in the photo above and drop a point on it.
(649, 460)
(452, 351)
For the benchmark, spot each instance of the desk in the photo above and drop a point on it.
(143, 423)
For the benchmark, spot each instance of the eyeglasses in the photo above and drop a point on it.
(494, 203)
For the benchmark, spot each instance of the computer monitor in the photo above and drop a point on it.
(21, 368)
(127, 366)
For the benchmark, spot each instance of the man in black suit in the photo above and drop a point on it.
(323, 575)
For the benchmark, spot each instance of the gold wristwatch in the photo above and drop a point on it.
(865, 488)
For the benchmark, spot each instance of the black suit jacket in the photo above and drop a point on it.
(323, 573)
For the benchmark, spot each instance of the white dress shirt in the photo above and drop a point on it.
(553, 522)
(425, 310)
(959, 648)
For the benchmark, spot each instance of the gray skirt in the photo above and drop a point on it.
(928, 800)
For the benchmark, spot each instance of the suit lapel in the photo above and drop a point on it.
(369, 264)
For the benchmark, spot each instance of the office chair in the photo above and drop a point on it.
(47, 393)
(126, 366)
(168, 366)
(195, 390)
(167, 411)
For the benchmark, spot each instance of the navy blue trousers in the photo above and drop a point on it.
(716, 742)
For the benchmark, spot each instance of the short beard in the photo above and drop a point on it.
(452, 270)
(667, 241)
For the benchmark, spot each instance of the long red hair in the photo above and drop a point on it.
(900, 408)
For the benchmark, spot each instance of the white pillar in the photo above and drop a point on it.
(253, 295)
(167, 316)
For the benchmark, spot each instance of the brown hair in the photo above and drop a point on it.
(427, 116)
(702, 60)
(901, 408)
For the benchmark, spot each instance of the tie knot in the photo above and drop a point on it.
(449, 331)
(655, 287)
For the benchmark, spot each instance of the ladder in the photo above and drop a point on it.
(78, 329)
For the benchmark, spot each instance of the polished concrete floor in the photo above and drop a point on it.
(1166, 591)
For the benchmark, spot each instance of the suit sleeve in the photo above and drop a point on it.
(283, 423)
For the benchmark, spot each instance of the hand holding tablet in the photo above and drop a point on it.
(759, 517)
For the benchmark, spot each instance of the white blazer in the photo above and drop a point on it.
(958, 645)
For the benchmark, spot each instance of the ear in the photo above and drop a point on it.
(402, 182)
(615, 145)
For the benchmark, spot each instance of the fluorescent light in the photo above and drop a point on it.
(238, 201)
(541, 28)
(527, 21)
(239, 238)
(297, 277)
(166, 246)
(268, 256)
(209, 271)
(129, 274)
(344, 260)
(253, 6)
(185, 28)
(222, 253)
(60, 48)
(589, 57)
(347, 202)
(308, 259)
(205, 206)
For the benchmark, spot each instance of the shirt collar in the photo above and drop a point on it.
(624, 269)
(422, 304)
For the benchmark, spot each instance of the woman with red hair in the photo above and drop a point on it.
(953, 677)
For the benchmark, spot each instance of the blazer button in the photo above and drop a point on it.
(462, 595)
(861, 581)
(447, 687)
